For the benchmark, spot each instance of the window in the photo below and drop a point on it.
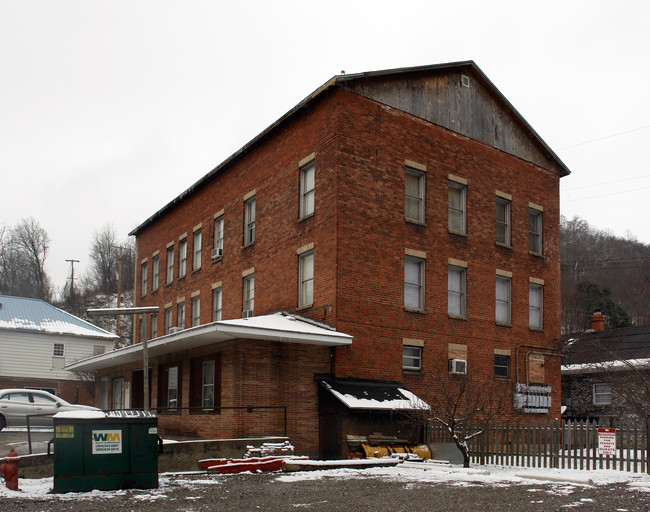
(196, 311)
(534, 231)
(502, 221)
(181, 314)
(205, 393)
(249, 221)
(216, 305)
(156, 272)
(414, 283)
(457, 200)
(170, 264)
(411, 358)
(306, 278)
(103, 393)
(414, 188)
(249, 293)
(307, 179)
(182, 258)
(58, 350)
(456, 291)
(218, 237)
(501, 365)
(118, 393)
(168, 320)
(196, 259)
(602, 394)
(143, 327)
(535, 309)
(169, 387)
(143, 270)
(502, 306)
(154, 326)
(172, 387)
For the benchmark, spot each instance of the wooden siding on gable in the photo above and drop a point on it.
(475, 111)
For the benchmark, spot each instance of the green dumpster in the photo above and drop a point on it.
(104, 451)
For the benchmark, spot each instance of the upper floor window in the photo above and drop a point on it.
(457, 207)
(182, 258)
(170, 264)
(217, 304)
(306, 279)
(196, 259)
(218, 237)
(154, 326)
(58, 350)
(181, 314)
(249, 221)
(535, 305)
(414, 283)
(503, 221)
(156, 273)
(414, 189)
(168, 320)
(411, 358)
(307, 181)
(249, 294)
(196, 311)
(501, 365)
(502, 305)
(456, 291)
(535, 231)
(143, 271)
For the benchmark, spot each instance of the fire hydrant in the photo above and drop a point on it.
(10, 470)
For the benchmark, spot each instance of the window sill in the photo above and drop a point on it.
(457, 233)
(207, 410)
(194, 271)
(412, 371)
(180, 278)
(217, 259)
(306, 306)
(457, 317)
(502, 324)
(246, 246)
(415, 221)
(505, 246)
(308, 216)
(154, 291)
(536, 254)
(413, 310)
(537, 329)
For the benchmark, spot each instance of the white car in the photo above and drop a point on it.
(17, 404)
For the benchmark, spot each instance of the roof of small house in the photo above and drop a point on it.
(368, 82)
(35, 315)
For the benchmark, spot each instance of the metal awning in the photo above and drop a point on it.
(281, 327)
(373, 395)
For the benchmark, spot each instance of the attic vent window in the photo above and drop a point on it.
(465, 80)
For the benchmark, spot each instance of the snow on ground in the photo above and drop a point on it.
(409, 473)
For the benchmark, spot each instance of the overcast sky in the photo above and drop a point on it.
(110, 109)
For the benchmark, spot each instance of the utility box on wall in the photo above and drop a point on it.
(104, 451)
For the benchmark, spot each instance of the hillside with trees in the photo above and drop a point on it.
(603, 272)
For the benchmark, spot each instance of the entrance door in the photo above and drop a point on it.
(137, 389)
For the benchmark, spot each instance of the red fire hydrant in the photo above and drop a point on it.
(10, 470)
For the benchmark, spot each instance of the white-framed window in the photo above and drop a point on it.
(502, 221)
(143, 272)
(501, 365)
(103, 393)
(249, 293)
(457, 207)
(502, 300)
(196, 311)
(154, 326)
(207, 387)
(306, 279)
(218, 236)
(172, 387)
(143, 327)
(249, 221)
(170, 264)
(168, 320)
(196, 259)
(156, 272)
(414, 191)
(456, 291)
(414, 283)
(217, 304)
(535, 306)
(180, 308)
(411, 357)
(535, 231)
(602, 394)
(118, 393)
(59, 350)
(307, 183)
(182, 258)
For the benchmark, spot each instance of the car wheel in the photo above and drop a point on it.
(3, 422)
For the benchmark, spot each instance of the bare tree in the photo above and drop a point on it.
(103, 255)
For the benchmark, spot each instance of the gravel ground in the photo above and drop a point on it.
(359, 492)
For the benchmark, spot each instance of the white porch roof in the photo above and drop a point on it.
(282, 327)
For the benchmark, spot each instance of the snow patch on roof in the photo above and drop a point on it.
(628, 364)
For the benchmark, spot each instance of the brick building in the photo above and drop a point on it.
(407, 220)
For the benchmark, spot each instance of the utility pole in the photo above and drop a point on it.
(72, 262)
(119, 286)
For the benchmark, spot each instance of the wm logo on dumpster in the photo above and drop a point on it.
(106, 436)
(106, 442)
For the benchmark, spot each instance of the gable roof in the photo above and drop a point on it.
(34, 315)
(355, 83)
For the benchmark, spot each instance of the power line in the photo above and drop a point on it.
(604, 195)
(606, 137)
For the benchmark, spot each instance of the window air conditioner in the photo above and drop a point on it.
(247, 313)
(174, 330)
(217, 253)
(458, 366)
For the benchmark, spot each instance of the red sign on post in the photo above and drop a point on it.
(607, 441)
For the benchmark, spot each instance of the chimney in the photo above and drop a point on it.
(598, 321)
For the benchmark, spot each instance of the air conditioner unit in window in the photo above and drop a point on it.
(458, 366)
(247, 313)
(217, 253)
(174, 330)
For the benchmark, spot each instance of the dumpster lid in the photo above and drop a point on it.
(95, 415)
(130, 413)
